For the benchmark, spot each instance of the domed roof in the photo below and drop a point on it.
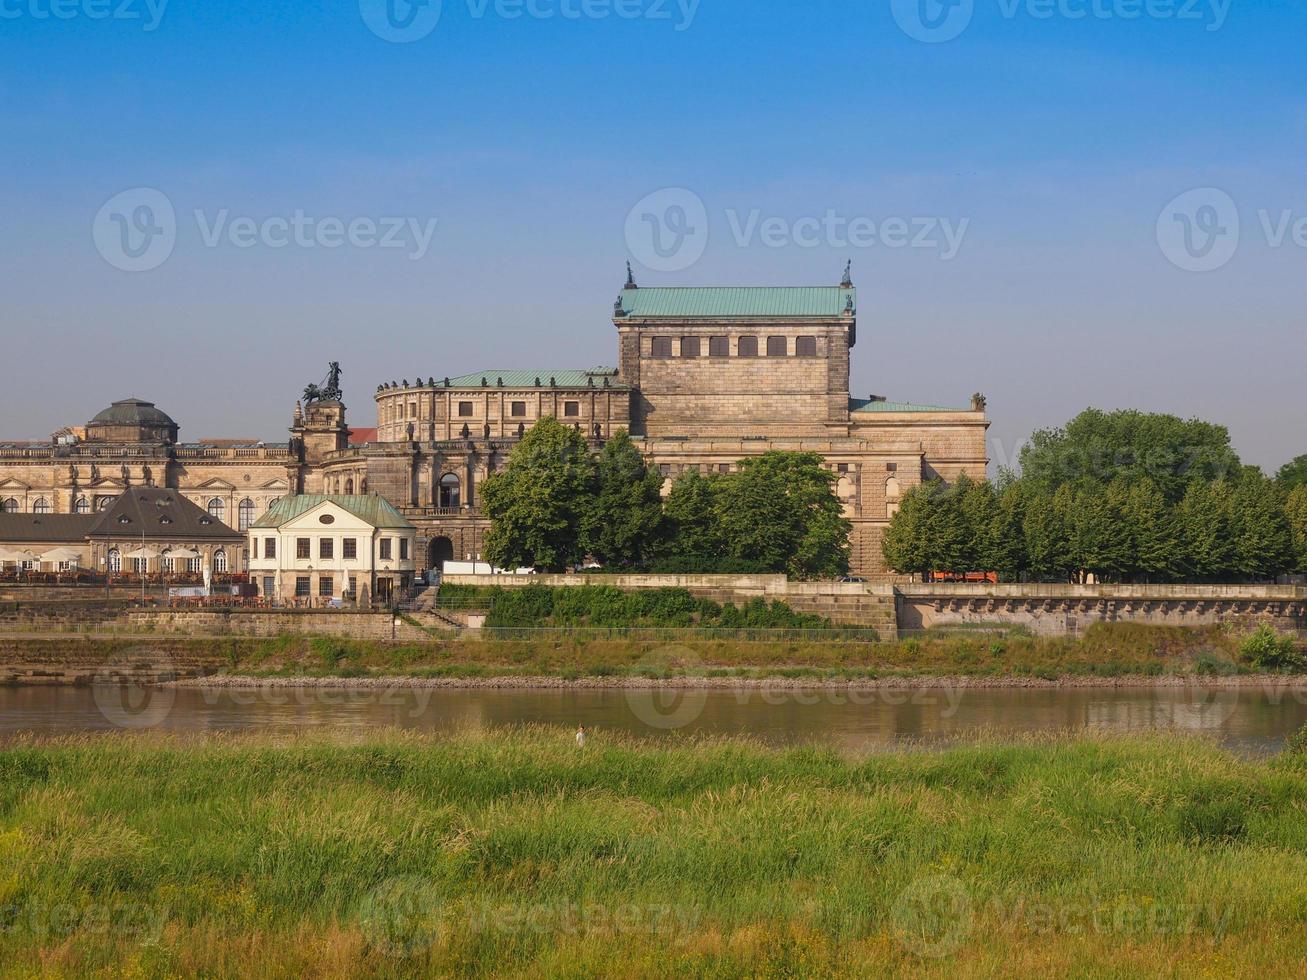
(133, 411)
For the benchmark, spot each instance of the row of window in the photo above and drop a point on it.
(349, 549)
(326, 586)
(746, 346)
(467, 410)
(141, 565)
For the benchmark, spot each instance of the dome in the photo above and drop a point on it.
(133, 411)
(132, 420)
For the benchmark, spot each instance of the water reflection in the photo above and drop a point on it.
(1251, 720)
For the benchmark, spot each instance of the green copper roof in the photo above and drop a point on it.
(867, 405)
(719, 302)
(377, 511)
(527, 379)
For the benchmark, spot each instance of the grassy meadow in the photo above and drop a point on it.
(520, 854)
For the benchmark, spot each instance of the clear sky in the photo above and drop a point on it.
(1006, 188)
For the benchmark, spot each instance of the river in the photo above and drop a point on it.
(1250, 720)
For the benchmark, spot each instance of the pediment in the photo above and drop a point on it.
(216, 483)
(9, 483)
(275, 485)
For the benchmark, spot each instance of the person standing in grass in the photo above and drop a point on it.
(580, 736)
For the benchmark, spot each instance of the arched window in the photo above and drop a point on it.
(220, 561)
(349, 487)
(245, 514)
(216, 508)
(41, 506)
(273, 502)
(115, 561)
(83, 506)
(449, 490)
(11, 506)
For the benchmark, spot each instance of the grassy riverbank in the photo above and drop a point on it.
(1116, 650)
(519, 854)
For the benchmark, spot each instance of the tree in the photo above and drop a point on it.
(692, 539)
(1295, 509)
(1293, 474)
(1204, 524)
(625, 516)
(1047, 545)
(1151, 526)
(1101, 446)
(1007, 539)
(780, 511)
(537, 504)
(1263, 543)
(1098, 542)
(907, 542)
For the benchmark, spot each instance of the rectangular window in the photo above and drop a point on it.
(254, 550)
(269, 547)
(385, 549)
(777, 347)
(719, 346)
(303, 549)
(571, 409)
(518, 409)
(138, 564)
(403, 549)
(805, 346)
(326, 548)
(269, 585)
(412, 410)
(842, 468)
(723, 467)
(891, 467)
(350, 548)
(326, 585)
(665, 469)
(660, 347)
(689, 346)
(353, 586)
(464, 410)
(747, 346)
(301, 585)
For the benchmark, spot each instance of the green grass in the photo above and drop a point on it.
(389, 854)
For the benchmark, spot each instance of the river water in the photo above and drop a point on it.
(1250, 720)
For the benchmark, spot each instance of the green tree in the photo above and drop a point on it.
(537, 503)
(780, 511)
(1295, 509)
(1263, 542)
(625, 516)
(1293, 474)
(1007, 537)
(1204, 524)
(692, 538)
(1047, 539)
(907, 541)
(1097, 538)
(1101, 446)
(978, 509)
(1151, 525)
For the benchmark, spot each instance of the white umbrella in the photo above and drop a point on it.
(9, 555)
(56, 555)
(187, 554)
(142, 552)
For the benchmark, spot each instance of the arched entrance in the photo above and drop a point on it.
(439, 551)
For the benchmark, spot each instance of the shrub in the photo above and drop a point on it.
(1266, 649)
(1297, 743)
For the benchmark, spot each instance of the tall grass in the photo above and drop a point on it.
(388, 854)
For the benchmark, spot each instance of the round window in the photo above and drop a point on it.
(327, 519)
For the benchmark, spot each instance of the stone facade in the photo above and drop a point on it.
(705, 377)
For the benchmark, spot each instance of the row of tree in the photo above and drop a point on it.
(555, 505)
(1121, 497)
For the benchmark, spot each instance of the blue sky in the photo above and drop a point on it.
(1049, 143)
